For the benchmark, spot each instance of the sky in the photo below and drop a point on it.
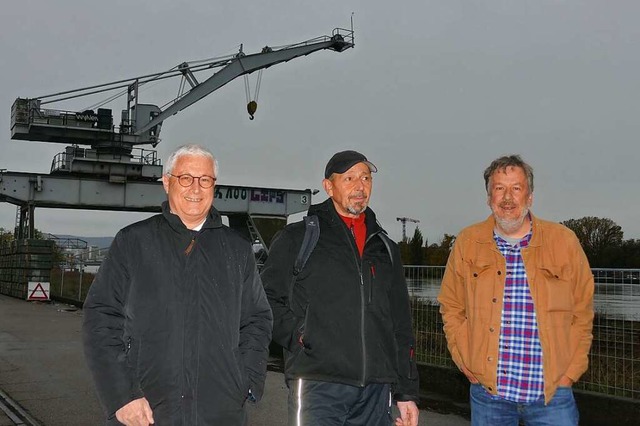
(432, 93)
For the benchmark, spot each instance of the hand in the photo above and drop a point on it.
(565, 382)
(408, 414)
(469, 375)
(136, 413)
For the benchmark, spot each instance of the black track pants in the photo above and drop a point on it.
(313, 403)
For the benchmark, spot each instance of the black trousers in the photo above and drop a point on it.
(313, 403)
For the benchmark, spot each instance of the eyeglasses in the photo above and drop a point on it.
(186, 180)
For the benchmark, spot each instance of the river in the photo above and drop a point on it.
(620, 301)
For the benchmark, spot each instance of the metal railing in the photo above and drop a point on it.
(614, 359)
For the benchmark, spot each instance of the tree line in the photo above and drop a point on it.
(601, 238)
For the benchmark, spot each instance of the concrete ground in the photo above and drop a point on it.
(42, 370)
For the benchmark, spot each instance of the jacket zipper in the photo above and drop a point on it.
(187, 252)
(189, 248)
(358, 262)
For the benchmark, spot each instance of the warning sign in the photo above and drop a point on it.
(38, 291)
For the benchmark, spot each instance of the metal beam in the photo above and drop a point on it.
(239, 66)
(72, 192)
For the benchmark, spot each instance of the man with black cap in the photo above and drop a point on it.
(344, 320)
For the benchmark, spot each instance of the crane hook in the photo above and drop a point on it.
(251, 109)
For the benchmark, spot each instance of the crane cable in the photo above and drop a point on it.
(252, 104)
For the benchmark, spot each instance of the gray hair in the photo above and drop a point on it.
(508, 161)
(190, 149)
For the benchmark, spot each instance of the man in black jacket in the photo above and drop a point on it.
(344, 320)
(176, 324)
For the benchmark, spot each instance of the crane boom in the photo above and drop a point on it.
(245, 64)
(141, 123)
(111, 147)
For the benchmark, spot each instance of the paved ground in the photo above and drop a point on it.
(43, 371)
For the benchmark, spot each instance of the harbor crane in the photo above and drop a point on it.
(111, 147)
(404, 221)
(103, 166)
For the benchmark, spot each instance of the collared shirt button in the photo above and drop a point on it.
(491, 329)
(490, 388)
(494, 300)
(499, 272)
(490, 358)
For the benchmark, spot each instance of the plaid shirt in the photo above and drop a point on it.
(520, 373)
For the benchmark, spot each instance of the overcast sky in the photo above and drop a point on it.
(432, 93)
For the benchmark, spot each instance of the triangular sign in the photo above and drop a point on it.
(38, 293)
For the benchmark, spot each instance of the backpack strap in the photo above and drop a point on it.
(311, 236)
(387, 243)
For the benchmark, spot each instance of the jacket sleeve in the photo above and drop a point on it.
(407, 388)
(255, 329)
(452, 301)
(103, 331)
(582, 324)
(277, 277)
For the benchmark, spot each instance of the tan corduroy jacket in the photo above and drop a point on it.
(561, 285)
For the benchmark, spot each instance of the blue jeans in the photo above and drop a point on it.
(485, 410)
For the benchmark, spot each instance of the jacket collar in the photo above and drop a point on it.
(327, 211)
(214, 219)
(485, 231)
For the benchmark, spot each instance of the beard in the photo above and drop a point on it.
(359, 206)
(356, 209)
(510, 226)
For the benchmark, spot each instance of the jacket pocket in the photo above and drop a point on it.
(477, 272)
(557, 287)
(243, 381)
(132, 362)
(131, 353)
(300, 337)
(378, 273)
(481, 280)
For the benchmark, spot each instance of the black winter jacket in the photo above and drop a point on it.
(179, 317)
(349, 319)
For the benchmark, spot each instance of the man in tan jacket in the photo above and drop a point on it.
(517, 305)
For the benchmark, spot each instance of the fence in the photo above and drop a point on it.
(614, 360)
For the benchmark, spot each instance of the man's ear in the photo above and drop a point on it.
(165, 183)
(328, 187)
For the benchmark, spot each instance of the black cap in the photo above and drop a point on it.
(343, 161)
